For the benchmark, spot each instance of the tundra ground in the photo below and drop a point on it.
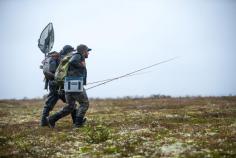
(147, 127)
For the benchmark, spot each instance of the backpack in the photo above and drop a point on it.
(62, 70)
(46, 68)
(50, 64)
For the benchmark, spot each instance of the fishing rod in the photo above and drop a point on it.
(133, 72)
(90, 83)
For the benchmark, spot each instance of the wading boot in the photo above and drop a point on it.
(45, 114)
(79, 122)
(54, 118)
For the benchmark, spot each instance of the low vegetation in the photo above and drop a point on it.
(128, 127)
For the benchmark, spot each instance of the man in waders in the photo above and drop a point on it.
(76, 74)
(50, 65)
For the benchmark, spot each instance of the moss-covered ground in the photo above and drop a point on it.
(164, 127)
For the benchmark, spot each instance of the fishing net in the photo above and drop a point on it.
(46, 40)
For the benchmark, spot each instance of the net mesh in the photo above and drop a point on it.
(46, 40)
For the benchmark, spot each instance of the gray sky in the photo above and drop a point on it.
(125, 35)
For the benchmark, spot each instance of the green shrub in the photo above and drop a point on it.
(97, 134)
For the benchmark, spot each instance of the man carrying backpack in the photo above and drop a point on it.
(76, 69)
(50, 65)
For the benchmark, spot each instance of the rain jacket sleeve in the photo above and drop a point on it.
(77, 61)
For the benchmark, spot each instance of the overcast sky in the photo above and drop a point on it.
(125, 35)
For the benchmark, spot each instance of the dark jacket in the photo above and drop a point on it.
(76, 68)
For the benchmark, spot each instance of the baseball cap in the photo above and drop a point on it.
(82, 47)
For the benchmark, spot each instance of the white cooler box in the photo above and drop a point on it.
(73, 84)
